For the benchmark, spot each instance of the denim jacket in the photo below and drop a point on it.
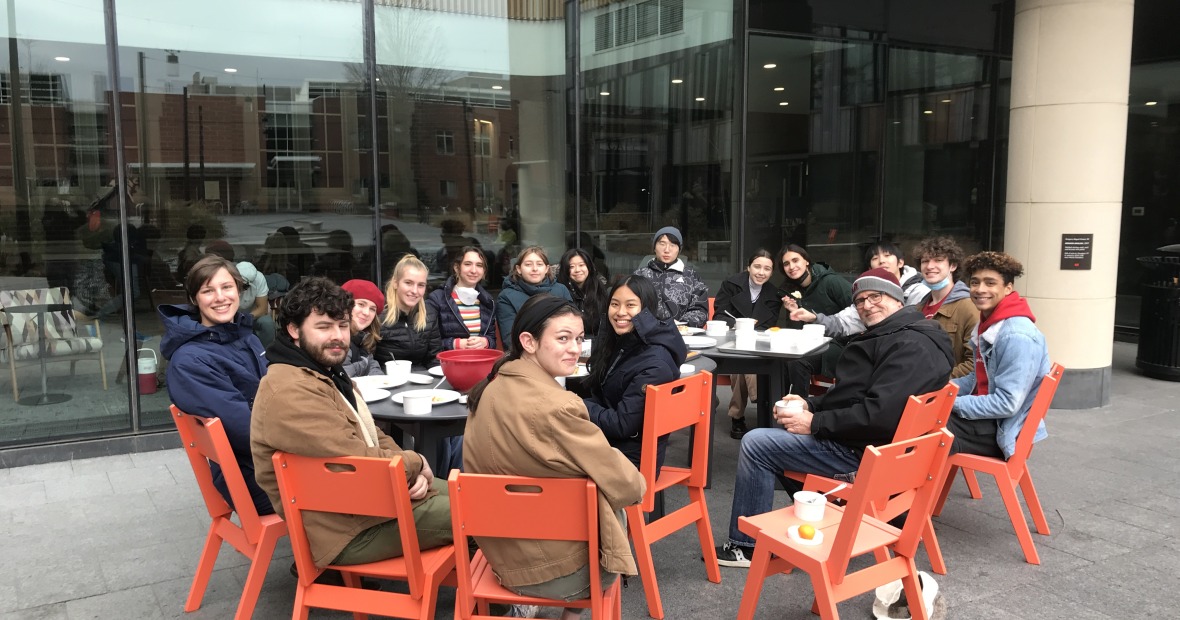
(1016, 358)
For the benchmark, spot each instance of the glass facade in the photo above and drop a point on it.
(331, 137)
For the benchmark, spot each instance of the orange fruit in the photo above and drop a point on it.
(806, 532)
(772, 329)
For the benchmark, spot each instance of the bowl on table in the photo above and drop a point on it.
(463, 368)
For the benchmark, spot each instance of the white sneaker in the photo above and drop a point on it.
(887, 604)
(524, 611)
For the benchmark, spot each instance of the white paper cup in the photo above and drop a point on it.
(745, 340)
(813, 330)
(398, 369)
(418, 404)
(744, 325)
(809, 506)
(716, 328)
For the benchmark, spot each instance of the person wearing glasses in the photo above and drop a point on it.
(901, 353)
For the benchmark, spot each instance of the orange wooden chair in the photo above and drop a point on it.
(359, 486)
(1012, 473)
(909, 466)
(720, 379)
(529, 508)
(670, 407)
(204, 441)
(923, 414)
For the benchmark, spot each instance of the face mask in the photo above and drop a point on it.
(466, 295)
(940, 285)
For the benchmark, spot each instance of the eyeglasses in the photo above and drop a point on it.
(871, 298)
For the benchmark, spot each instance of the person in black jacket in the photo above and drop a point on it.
(747, 294)
(636, 351)
(368, 304)
(409, 330)
(579, 273)
(466, 311)
(901, 353)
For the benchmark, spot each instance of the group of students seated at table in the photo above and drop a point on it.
(522, 420)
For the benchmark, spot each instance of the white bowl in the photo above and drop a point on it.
(809, 505)
(744, 325)
(417, 404)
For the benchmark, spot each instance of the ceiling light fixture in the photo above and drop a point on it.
(1152, 103)
(946, 100)
(927, 111)
(677, 81)
(769, 65)
(62, 58)
(604, 94)
(230, 70)
(700, 98)
(497, 87)
(784, 103)
(779, 89)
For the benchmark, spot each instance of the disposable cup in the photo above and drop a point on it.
(809, 506)
(744, 325)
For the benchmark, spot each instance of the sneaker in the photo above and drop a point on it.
(524, 611)
(734, 555)
(737, 428)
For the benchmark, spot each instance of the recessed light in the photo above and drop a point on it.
(62, 58)
(700, 98)
(378, 79)
(230, 70)
(1148, 103)
(896, 122)
(769, 65)
(779, 89)
(784, 103)
(604, 94)
(927, 111)
(946, 101)
(497, 87)
(677, 81)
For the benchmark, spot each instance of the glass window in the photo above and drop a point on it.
(444, 142)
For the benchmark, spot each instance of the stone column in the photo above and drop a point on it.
(1071, 65)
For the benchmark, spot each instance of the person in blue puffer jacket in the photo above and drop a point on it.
(466, 310)
(636, 351)
(1011, 357)
(215, 362)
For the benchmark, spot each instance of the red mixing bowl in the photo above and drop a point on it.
(463, 368)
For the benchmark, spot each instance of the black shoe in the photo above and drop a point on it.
(733, 555)
(737, 428)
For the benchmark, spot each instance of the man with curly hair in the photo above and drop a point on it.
(307, 405)
(1010, 359)
(948, 301)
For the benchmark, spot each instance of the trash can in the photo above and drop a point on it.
(1159, 318)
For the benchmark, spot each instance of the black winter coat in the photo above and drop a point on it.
(650, 355)
(404, 342)
(904, 355)
(450, 322)
(734, 296)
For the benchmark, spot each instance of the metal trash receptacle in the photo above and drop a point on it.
(1159, 318)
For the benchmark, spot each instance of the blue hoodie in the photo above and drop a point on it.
(213, 372)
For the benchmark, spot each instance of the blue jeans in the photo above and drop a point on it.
(765, 454)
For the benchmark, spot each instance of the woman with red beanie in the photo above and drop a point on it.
(368, 303)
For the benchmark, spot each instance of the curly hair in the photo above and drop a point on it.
(938, 247)
(1009, 268)
(319, 294)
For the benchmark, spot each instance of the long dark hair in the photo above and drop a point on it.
(592, 291)
(606, 343)
(533, 317)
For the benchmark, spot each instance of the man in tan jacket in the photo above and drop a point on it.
(949, 301)
(307, 405)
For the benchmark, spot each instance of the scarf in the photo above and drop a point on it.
(1011, 306)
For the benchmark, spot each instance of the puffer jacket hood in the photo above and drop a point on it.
(182, 323)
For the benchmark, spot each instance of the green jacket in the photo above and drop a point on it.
(829, 292)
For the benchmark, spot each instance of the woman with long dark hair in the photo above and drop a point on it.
(465, 309)
(523, 423)
(580, 275)
(634, 350)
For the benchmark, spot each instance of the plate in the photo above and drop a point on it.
(441, 397)
(420, 379)
(372, 395)
(378, 381)
(436, 371)
(699, 342)
(690, 331)
(793, 532)
(581, 371)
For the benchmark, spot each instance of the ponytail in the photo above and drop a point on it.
(476, 392)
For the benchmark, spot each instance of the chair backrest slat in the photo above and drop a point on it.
(1040, 407)
(668, 408)
(926, 413)
(205, 441)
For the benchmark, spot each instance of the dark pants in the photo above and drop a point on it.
(974, 436)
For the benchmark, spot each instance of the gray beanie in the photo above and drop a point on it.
(673, 235)
(879, 280)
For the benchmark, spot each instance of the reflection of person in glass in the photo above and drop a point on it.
(215, 361)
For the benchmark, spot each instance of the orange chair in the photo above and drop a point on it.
(721, 379)
(923, 414)
(204, 441)
(1012, 473)
(908, 467)
(670, 407)
(360, 486)
(530, 508)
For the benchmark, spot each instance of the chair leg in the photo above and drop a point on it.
(1016, 514)
(102, 369)
(647, 569)
(948, 481)
(259, 565)
(12, 367)
(204, 569)
(300, 610)
(705, 534)
(825, 604)
(758, 571)
(933, 549)
(972, 484)
(913, 592)
(1034, 503)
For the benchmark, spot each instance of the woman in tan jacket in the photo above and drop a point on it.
(524, 423)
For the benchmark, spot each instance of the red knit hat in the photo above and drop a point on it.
(880, 280)
(363, 289)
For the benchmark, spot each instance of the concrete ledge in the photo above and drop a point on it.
(109, 446)
(1083, 388)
